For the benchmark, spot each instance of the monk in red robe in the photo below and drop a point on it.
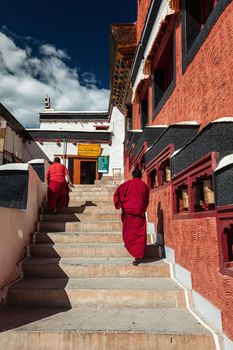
(58, 184)
(133, 198)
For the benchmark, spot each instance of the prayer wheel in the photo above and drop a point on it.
(168, 173)
(208, 191)
(185, 199)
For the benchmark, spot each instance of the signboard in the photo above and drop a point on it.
(103, 165)
(89, 150)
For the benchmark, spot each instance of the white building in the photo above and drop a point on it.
(89, 143)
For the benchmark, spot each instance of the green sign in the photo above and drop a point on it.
(103, 164)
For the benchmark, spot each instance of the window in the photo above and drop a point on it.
(203, 194)
(198, 19)
(129, 119)
(144, 110)
(225, 236)
(182, 199)
(193, 188)
(159, 170)
(197, 13)
(153, 179)
(141, 164)
(163, 72)
(165, 171)
(228, 238)
(129, 123)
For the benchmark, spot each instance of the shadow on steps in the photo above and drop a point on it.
(15, 317)
(155, 252)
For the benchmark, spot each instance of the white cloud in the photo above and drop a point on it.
(25, 80)
(50, 50)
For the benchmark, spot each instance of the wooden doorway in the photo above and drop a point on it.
(85, 171)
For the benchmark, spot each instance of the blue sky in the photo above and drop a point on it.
(60, 48)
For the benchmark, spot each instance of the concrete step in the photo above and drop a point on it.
(109, 181)
(74, 250)
(102, 329)
(92, 267)
(75, 217)
(82, 206)
(78, 237)
(76, 201)
(101, 292)
(93, 187)
(91, 195)
(93, 190)
(94, 203)
(99, 226)
(101, 209)
(94, 198)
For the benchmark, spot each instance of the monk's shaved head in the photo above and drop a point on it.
(57, 160)
(137, 174)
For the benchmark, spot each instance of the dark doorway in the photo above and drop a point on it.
(88, 172)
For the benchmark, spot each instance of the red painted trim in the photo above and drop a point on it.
(102, 127)
(140, 154)
(160, 188)
(163, 155)
(144, 89)
(196, 215)
(156, 163)
(160, 49)
(224, 221)
(210, 159)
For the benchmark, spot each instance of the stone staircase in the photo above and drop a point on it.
(80, 290)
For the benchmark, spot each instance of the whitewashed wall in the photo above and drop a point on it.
(117, 126)
(48, 150)
(71, 126)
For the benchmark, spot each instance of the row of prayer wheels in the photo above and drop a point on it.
(207, 188)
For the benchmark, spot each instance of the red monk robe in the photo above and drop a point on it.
(133, 198)
(57, 185)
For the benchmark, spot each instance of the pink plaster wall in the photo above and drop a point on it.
(16, 227)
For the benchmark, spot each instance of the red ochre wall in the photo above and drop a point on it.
(196, 249)
(143, 7)
(204, 93)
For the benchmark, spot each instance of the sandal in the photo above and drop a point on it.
(136, 262)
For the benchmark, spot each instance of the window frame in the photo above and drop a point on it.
(224, 221)
(204, 166)
(156, 165)
(144, 100)
(170, 31)
(139, 160)
(188, 55)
